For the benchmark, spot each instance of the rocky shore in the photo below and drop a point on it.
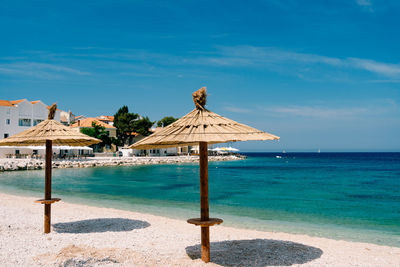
(38, 164)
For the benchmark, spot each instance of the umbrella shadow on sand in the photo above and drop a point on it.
(100, 225)
(257, 252)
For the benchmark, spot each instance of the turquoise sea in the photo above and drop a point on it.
(350, 196)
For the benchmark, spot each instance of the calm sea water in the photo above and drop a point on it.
(351, 196)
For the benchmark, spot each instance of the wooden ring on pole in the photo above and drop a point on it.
(48, 201)
(203, 223)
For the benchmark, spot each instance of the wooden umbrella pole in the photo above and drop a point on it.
(47, 187)
(205, 230)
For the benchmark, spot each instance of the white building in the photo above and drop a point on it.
(59, 152)
(67, 118)
(19, 115)
(157, 152)
(162, 152)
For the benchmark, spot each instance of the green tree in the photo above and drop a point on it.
(124, 121)
(127, 122)
(99, 132)
(143, 126)
(166, 121)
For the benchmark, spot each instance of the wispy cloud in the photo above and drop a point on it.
(385, 81)
(107, 61)
(39, 70)
(318, 112)
(375, 108)
(323, 110)
(255, 55)
(388, 70)
(365, 4)
(281, 60)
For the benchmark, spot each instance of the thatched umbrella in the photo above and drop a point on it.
(49, 132)
(202, 127)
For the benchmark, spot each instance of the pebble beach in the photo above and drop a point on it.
(94, 236)
(38, 164)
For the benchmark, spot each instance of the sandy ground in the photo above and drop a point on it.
(92, 236)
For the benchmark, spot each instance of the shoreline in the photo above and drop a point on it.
(7, 164)
(180, 211)
(84, 234)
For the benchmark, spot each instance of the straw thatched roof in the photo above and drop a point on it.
(201, 125)
(49, 130)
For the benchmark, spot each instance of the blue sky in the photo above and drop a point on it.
(319, 74)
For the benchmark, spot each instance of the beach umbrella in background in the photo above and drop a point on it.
(56, 147)
(202, 127)
(228, 149)
(49, 132)
(232, 149)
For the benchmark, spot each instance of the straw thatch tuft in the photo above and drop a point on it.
(200, 98)
(52, 111)
(60, 134)
(201, 125)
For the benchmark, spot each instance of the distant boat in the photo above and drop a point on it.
(284, 151)
(319, 151)
(278, 157)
